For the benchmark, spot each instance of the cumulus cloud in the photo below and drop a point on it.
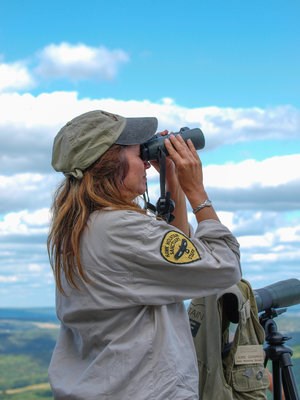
(281, 197)
(79, 61)
(249, 123)
(274, 171)
(26, 191)
(242, 188)
(72, 62)
(25, 222)
(15, 76)
(8, 279)
(273, 184)
(29, 123)
(250, 185)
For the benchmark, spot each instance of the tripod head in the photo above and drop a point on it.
(280, 355)
(270, 314)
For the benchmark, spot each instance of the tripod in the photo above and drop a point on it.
(280, 355)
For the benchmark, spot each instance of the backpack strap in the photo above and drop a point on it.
(243, 366)
(229, 368)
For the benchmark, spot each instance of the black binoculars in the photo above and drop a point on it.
(150, 149)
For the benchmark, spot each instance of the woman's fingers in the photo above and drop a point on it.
(175, 148)
(180, 150)
(163, 133)
(184, 157)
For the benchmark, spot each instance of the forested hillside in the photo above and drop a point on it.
(27, 338)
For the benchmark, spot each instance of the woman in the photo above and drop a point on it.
(122, 275)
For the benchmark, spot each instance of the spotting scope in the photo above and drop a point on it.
(280, 294)
(150, 149)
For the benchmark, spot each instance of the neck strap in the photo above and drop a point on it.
(165, 205)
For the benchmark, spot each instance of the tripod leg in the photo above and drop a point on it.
(277, 383)
(289, 383)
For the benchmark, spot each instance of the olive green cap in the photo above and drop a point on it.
(87, 137)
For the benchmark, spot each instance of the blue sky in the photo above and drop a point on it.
(230, 68)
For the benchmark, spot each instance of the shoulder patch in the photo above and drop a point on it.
(178, 249)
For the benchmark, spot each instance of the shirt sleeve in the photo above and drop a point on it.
(134, 259)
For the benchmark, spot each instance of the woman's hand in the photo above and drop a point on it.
(187, 162)
(189, 174)
(177, 194)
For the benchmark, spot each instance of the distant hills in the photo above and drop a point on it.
(28, 336)
(27, 339)
(46, 314)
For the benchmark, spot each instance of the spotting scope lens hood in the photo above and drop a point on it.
(280, 294)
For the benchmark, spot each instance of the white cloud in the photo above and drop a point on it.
(257, 241)
(15, 76)
(36, 268)
(249, 173)
(79, 61)
(289, 234)
(29, 123)
(8, 279)
(250, 184)
(62, 61)
(243, 124)
(284, 256)
(25, 223)
(26, 191)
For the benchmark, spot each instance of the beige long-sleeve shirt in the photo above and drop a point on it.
(126, 335)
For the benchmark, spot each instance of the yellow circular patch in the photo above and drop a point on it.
(178, 249)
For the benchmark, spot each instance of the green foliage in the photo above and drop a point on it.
(27, 338)
(296, 352)
(26, 348)
(28, 395)
(21, 370)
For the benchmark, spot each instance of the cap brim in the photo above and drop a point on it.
(137, 130)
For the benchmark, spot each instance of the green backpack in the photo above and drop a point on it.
(229, 368)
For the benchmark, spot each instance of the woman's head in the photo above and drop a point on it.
(87, 137)
(116, 178)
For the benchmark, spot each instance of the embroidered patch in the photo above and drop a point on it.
(249, 354)
(178, 249)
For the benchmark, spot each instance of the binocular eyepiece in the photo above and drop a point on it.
(150, 149)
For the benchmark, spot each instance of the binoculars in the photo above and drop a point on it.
(150, 149)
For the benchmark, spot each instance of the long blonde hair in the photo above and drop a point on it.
(73, 203)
